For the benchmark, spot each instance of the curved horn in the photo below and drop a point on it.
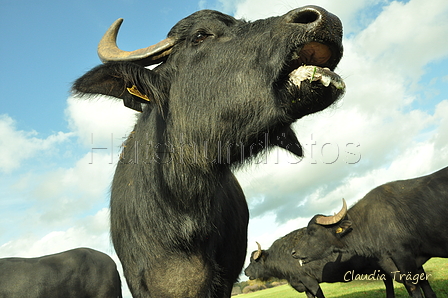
(257, 254)
(330, 220)
(108, 50)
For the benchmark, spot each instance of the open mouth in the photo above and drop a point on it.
(314, 62)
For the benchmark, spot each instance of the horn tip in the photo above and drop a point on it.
(119, 21)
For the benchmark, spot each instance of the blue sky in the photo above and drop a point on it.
(392, 120)
(48, 44)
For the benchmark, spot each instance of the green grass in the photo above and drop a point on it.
(437, 267)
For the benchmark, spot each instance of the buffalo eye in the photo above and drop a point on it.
(200, 37)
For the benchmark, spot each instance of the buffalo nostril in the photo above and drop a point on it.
(293, 252)
(305, 15)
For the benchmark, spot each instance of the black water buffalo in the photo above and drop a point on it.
(401, 223)
(277, 262)
(76, 273)
(225, 91)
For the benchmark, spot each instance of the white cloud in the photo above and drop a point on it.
(17, 145)
(60, 207)
(382, 66)
(55, 196)
(253, 9)
(92, 231)
(99, 122)
(64, 194)
(346, 10)
(440, 136)
(401, 35)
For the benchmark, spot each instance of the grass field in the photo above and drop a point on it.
(438, 268)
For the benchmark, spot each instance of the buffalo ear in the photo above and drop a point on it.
(343, 228)
(130, 82)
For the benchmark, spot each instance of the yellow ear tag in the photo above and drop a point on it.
(339, 230)
(134, 91)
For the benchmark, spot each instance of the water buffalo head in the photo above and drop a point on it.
(256, 267)
(323, 236)
(225, 81)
